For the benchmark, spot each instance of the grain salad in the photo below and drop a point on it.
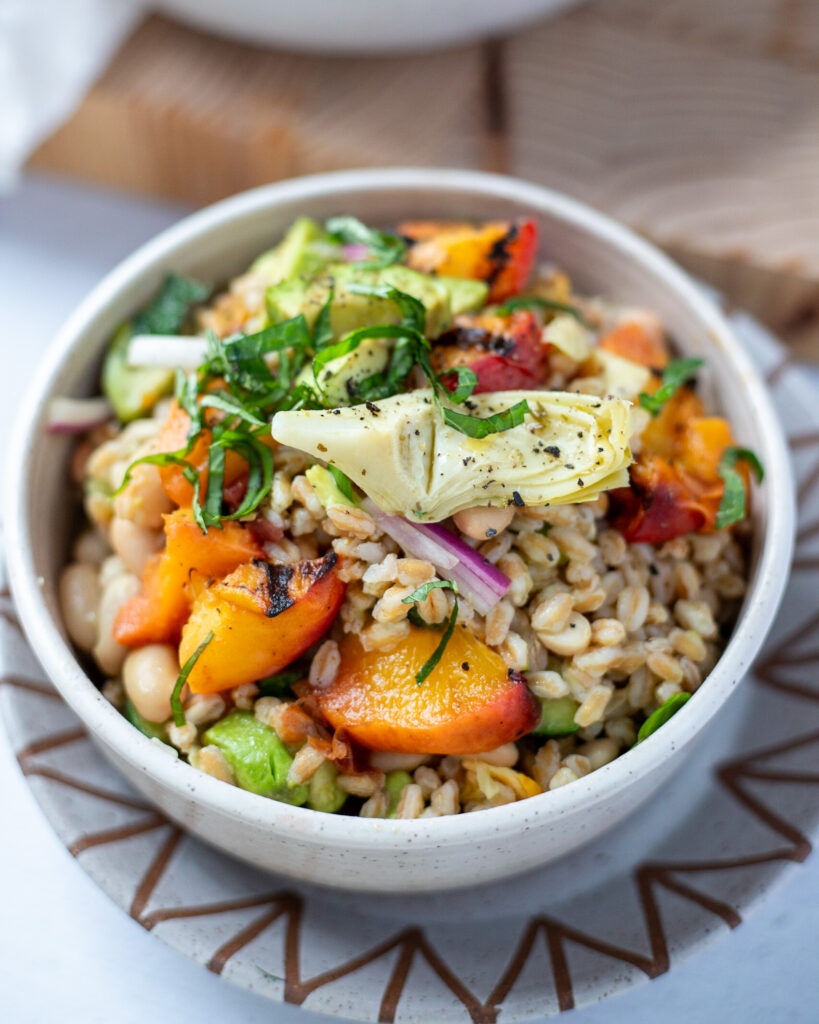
(397, 524)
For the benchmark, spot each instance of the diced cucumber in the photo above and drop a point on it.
(394, 784)
(557, 717)
(324, 792)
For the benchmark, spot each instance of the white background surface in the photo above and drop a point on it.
(67, 953)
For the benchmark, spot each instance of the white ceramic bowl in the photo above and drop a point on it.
(603, 258)
(360, 26)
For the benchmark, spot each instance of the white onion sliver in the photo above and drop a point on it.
(76, 415)
(167, 350)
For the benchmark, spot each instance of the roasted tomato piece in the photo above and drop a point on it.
(262, 616)
(501, 253)
(157, 612)
(506, 353)
(663, 502)
(468, 704)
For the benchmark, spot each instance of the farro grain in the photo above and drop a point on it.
(623, 730)
(203, 708)
(114, 692)
(608, 632)
(572, 543)
(613, 547)
(410, 803)
(213, 762)
(360, 785)
(552, 614)
(244, 696)
(303, 492)
(515, 652)
(521, 579)
(450, 766)
(572, 639)
(376, 806)
(537, 549)
(632, 607)
(325, 664)
(593, 707)
(688, 643)
(599, 752)
(597, 661)
(493, 550)
(379, 636)
(505, 756)
(696, 615)
(547, 684)
(666, 690)
(352, 520)
(427, 779)
(444, 800)
(306, 762)
(546, 763)
(665, 666)
(391, 607)
(264, 710)
(562, 777)
(498, 622)
(182, 737)
(578, 763)
(414, 571)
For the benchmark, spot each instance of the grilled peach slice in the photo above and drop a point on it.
(262, 616)
(156, 614)
(499, 252)
(505, 353)
(469, 703)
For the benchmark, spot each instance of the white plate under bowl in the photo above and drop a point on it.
(676, 876)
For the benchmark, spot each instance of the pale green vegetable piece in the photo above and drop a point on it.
(304, 250)
(569, 448)
(351, 310)
(622, 378)
(394, 785)
(326, 488)
(339, 376)
(132, 390)
(324, 792)
(465, 294)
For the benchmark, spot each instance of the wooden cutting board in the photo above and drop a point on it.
(695, 122)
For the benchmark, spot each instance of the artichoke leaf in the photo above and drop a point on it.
(399, 451)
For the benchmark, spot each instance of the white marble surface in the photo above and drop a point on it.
(66, 952)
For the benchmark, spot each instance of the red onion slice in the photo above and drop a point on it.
(76, 415)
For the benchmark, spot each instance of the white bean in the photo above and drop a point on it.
(108, 653)
(92, 547)
(134, 544)
(143, 500)
(79, 601)
(149, 674)
(480, 523)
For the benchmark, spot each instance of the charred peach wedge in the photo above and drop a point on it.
(262, 617)
(468, 704)
(157, 612)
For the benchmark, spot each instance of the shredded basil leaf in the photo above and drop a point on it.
(419, 595)
(182, 678)
(171, 306)
(322, 328)
(732, 508)
(279, 684)
(384, 249)
(413, 311)
(343, 482)
(534, 301)
(477, 426)
(661, 715)
(467, 382)
(677, 373)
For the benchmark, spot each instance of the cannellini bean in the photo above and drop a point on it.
(91, 547)
(505, 756)
(79, 602)
(108, 653)
(143, 500)
(134, 544)
(149, 674)
(480, 523)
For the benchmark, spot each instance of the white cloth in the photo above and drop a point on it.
(50, 53)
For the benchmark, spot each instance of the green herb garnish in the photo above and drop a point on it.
(733, 507)
(170, 308)
(419, 595)
(477, 426)
(384, 249)
(535, 302)
(677, 373)
(661, 715)
(176, 700)
(279, 684)
(467, 381)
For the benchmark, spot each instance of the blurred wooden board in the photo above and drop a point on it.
(693, 121)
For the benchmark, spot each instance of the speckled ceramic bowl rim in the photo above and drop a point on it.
(103, 720)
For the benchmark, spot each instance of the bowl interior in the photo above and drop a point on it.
(220, 242)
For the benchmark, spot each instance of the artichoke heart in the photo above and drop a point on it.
(569, 448)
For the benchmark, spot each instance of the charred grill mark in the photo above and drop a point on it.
(275, 588)
(499, 255)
